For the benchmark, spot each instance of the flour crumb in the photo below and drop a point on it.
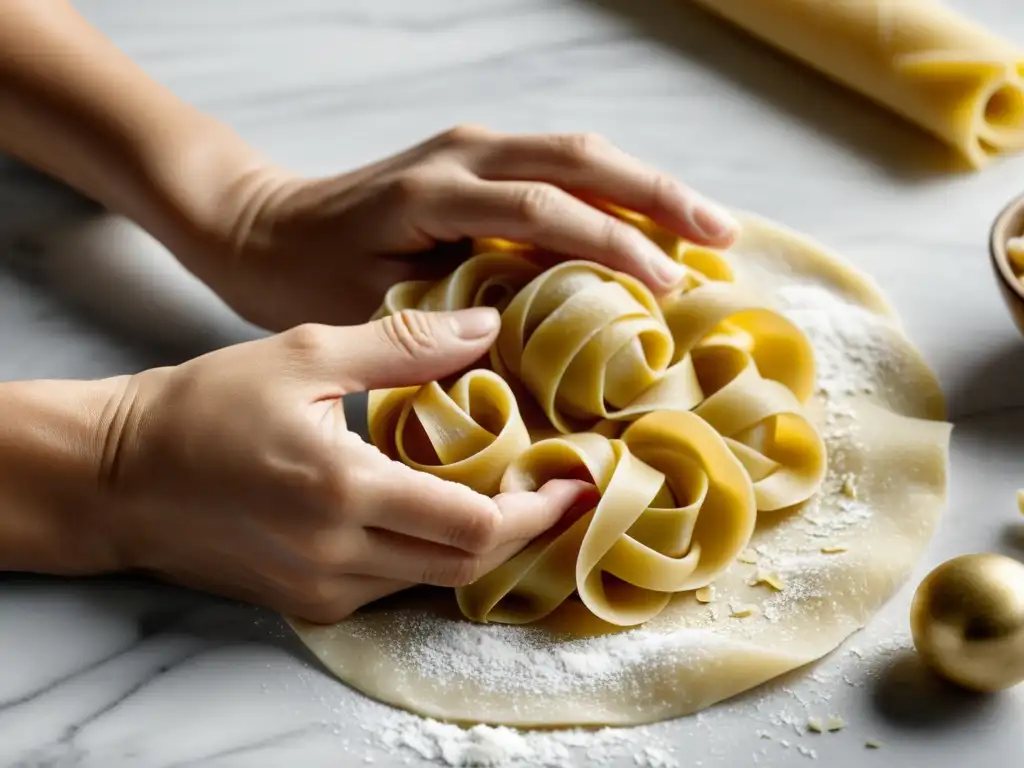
(849, 486)
(705, 594)
(814, 725)
(747, 556)
(835, 723)
(742, 611)
(767, 578)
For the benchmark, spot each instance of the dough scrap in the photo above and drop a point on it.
(921, 59)
(880, 411)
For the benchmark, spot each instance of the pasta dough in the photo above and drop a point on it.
(594, 350)
(837, 558)
(919, 58)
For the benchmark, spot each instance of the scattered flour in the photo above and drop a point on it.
(483, 746)
(777, 717)
(851, 354)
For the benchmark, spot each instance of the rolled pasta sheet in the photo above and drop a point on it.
(676, 509)
(919, 58)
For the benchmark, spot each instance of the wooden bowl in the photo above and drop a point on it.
(1008, 224)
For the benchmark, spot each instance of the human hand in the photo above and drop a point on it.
(236, 473)
(326, 250)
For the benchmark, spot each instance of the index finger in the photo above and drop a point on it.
(421, 506)
(589, 165)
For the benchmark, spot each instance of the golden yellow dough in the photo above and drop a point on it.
(714, 380)
(919, 58)
(732, 447)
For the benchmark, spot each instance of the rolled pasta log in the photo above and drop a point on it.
(676, 509)
(919, 58)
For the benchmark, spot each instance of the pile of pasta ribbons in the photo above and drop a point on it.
(686, 412)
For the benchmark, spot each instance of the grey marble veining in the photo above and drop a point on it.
(117, 672)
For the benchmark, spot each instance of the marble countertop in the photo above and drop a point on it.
(116, 672)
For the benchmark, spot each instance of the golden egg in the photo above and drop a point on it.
(967, 620)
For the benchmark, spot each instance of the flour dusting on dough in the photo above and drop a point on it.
(778, 720)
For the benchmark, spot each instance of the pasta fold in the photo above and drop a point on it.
(687, 414)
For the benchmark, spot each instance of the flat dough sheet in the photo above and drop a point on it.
(922, 60)
(841, 555)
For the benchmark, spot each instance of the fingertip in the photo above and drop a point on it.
(568, 492)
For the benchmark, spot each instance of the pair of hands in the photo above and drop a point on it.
(236, 472)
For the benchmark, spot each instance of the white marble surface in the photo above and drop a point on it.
(113, 673)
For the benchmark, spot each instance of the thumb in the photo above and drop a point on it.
(412, 347)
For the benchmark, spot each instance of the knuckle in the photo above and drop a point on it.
(536, 203)
(664, 191)
(477, 535)
(616, 237)
(458, 572)
(329, 550)
(463, 135)
(410, 187)
(314, 592)
(581, 148)
(308, 339)
(337, 482)
(327, 612)
(409, 331)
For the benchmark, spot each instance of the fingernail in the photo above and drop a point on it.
(713, 220)
(475, 323)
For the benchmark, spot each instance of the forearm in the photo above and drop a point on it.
(77, 108)
(53, 437)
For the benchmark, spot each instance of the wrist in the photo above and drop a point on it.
(53, 506)
(76, 107)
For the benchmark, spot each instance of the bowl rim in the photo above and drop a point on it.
(997, 247)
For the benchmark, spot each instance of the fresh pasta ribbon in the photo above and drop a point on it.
(676, 509)
(687, 414)
(468, 434)
(591, 344)
(921, 59)
(756, 372)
